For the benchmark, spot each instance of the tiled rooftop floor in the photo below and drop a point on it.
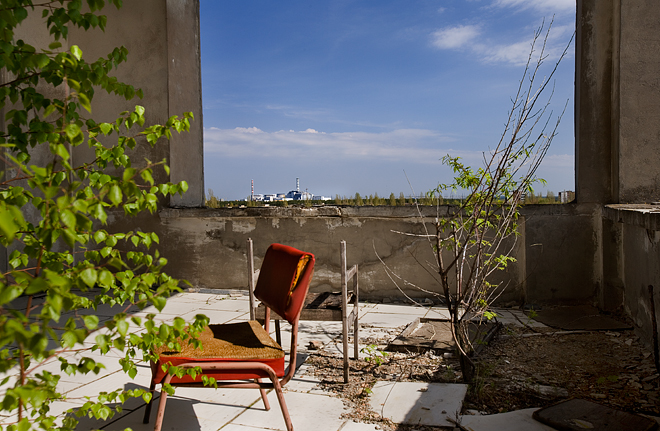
(204, 409)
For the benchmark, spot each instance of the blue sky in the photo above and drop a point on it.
(348, 94)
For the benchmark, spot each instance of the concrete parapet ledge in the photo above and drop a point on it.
(402, 212)
(646, 216)
(315, 211)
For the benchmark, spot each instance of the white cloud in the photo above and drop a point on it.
(418, 145)
(552, 6)
(454, 37)
(516, 53)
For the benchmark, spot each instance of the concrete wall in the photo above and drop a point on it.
(617, 92)
(639, 110)
(617, 148)
(162, 38)
(207, 247)
(639, 265)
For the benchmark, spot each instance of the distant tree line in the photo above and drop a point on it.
(213, 201)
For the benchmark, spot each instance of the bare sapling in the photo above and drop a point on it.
(477, 238)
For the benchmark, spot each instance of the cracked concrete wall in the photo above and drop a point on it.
(638, 111)
(208, 248)
(636, 255)
(617, 151)
(641, 248)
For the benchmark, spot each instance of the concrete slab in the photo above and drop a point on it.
(308, 412)
(304, 382)
(414, 403)
(189, 409)
(519, 420)
(386, 320)
(525, 320)
(176, 307)
(505, 317)
(207, 298)
(576, 414)
(217, 316)
(408, 310)
(579, 317)
(228, 304)
(438, 312)
(308, 331)
(356, 426)
(234, 427)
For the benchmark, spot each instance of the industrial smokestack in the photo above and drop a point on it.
(297, 184)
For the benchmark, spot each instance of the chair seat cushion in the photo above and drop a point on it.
(228, 343)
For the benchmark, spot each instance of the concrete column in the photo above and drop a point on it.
(595, 27)
(185, 94)
(639, 115)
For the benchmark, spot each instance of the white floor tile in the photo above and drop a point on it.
(308, 412)
(519, 420)
(416, 403)
(357, 426)
(383, 320)
(408, 310)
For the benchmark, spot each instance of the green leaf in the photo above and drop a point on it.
(61, 151)
(7, 226)
(72, 131)
(159, 302)
(122, 327)
(9, 293)
(37, 285)
(105, 128)
(85, 102)
(69, 219)
(115, 195)
(89, 276)
(91, 322)
(49, 110)
(42, 60)
(69, 339)
(77, 52)
(100, 236)
(128, 174)
(105, 277)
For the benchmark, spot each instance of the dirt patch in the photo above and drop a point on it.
(519, 369)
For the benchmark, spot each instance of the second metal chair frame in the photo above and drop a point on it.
(349, 321)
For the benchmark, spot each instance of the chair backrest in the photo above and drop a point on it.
(284, 280)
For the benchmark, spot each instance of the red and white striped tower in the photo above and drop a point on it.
(252, 192)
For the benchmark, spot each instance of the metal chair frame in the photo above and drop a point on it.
(275, 382)
(349, 321)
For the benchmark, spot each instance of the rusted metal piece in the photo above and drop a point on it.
(654, 321)
(424, 334)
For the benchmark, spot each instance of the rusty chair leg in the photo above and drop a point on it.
(161, 405)
(283, 407)
(147, 409)
(264, 396)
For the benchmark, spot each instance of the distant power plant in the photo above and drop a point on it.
(293, 195)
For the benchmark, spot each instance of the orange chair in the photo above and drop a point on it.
(236, 352)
